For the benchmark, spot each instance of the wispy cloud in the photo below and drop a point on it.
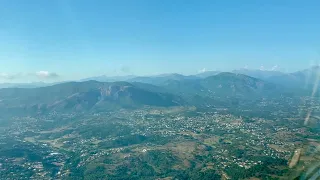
(46, 74)
(6, 76)
(262, 68)
(275, 67)
(38, 75)
(202, 70)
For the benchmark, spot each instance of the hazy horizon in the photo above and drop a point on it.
(69, 40)
(56, 80)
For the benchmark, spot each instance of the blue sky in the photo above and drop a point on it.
(65, 40)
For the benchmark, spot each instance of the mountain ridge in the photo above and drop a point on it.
(77, 96)
(170, 90)
(306, 77)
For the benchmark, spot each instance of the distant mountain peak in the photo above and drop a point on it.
(259, 74)
(104, 78)
(315, 67)
(169, 75)
(312, 69)
(226, 74)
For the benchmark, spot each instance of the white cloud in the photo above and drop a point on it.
(8, 76)
(202, 70)
(245, 67)
(4, 76)
(275, 67)
(261, 68)
(46, 74)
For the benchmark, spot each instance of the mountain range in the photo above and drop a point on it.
(82, 96)
(163, 91)
(94, 96)
(303, 78)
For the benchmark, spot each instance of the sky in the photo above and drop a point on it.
(74, 39)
